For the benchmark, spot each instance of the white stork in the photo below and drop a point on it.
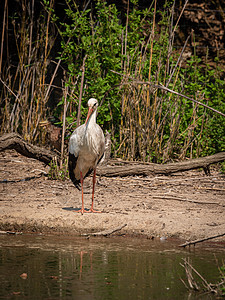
(86, 148)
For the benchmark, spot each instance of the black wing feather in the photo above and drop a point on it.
(72, 165)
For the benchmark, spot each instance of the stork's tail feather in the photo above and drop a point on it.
(77, 184)
(72, 165)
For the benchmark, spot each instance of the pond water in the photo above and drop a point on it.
(59, 267)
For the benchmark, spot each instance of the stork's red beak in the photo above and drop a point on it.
(90, 111)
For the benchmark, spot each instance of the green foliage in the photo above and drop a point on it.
(145, 123)
(204, 84)
(56, 173)
(99, 38)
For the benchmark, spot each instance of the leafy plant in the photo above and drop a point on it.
(121, 59)
(57, 173)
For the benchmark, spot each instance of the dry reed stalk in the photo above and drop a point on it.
(125, 40)
(123, 110)
(190, 134)
(178, 20)
(178, 63)
(3, 33)
(29, 115)
(156, 112)
(31, 32)
(189, 274)
(150, 62)
(81, 92)
(64, 126)
(140, 141)
(190, 270)
(173, 110)
(27, 82)
(170, 42)
(199, 144)
(60, 60)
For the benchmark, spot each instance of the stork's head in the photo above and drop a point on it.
(93, 103)
(92, 106)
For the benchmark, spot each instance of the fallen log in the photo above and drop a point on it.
(153, 169)
(15, 141)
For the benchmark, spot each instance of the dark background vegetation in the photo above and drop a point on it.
(55, 55)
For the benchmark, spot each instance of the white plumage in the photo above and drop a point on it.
(86, 148)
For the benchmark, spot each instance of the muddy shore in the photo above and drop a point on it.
(187, 205)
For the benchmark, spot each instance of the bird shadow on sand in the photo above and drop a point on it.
(74, 208)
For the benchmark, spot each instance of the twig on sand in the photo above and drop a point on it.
(10, 232)
(105, 232)
(172, 197)
(201, 240)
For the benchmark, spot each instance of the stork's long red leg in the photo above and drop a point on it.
(82, 191)
(93, 192)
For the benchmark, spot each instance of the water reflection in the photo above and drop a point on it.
(68, 268)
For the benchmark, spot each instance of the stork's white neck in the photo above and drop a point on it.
(92, 120)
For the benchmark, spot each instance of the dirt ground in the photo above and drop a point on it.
(187, 205)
